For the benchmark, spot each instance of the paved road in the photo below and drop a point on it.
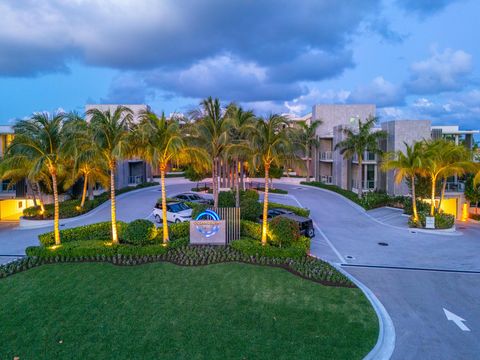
(415, 299)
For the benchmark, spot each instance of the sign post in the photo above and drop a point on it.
(429, 222)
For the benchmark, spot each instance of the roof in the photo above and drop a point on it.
(6, 129)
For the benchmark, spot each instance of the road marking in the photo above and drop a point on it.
(456, 319)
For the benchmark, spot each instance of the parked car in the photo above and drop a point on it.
(305, 225)
(176, 212)
(275, 212)
(194, 198)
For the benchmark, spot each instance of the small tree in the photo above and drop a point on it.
(472, 191)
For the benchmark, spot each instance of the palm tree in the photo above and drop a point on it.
(88, 162)
(444, 159)
(159, 142)
(358, 142)
(110, 133)
(407, 164)
(212, 133)
(270, 145)
(39, 139)
(308, 139)
(241, 125)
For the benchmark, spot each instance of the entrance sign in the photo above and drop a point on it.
(207, 228)
(429, 222)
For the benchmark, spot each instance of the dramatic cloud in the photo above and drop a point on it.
(379, 92)
(443, 71)
(128, 89)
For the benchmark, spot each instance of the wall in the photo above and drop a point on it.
(11, 210)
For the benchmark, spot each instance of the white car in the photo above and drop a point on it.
(176, 212)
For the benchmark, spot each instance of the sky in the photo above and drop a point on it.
(414, 59)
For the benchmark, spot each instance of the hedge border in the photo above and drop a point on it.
(179, 256)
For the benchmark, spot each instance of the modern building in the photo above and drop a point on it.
(330, 167)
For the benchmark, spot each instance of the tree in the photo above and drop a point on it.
(358, 142)
(159, 142)
(40, 139)
(270, 145)
(442, 159)
(88, 162)
(407, 165)
(308, 139)
(110, 134)
(241, 125)
(211, 131)
(472, 191)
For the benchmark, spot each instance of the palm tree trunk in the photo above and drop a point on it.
(84, 192)
(414, 200)
(237, 184)
(56, 212)
(265, 207)
(432, 205)
(164, 205)
(242, 176)
(359, 177)
(113, 205)
(442, 195)
(215, 182)
(308, 163)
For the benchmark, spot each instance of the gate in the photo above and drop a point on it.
(231, 215)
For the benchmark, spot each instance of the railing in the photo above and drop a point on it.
(326, 179)
(458, 186)
(368, 185)
(326, 156)
(135, 179)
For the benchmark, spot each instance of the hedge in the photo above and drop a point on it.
(296, 210)
(306, 266)
(253, 247)
(442, 221)
(71, 208)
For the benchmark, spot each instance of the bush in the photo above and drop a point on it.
(140, 232)
(249, 194)
(250, 208)
(273, 190)
(178, 231)
(98, 231)
(296, 210)
(253, 247)
(422, 206)
(346, 193)
(226, 199)
(197, 209)
(283, 232)
(250, 229)
(373, 200)
(442, 220)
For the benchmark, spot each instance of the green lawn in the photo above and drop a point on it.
(164, 311)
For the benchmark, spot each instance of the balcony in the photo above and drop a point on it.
(369, 185)
(326, 156)
(458, 186)
(326, 179)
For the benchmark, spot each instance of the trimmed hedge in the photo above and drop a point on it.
(250, 230)
(283, 232)
(273, 191)
(71, 208)
(98, 231)
(140, 232)
(306, 266)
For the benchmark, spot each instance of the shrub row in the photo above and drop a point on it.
(254, 247)
(295, 209)
(307, 267)
(71, 208)
(442, 220)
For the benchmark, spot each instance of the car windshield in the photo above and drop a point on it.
(178, 207)
(195, 197)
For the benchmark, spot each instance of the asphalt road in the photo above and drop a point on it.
(414, 298)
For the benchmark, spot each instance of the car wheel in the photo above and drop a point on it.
(158, 219)
(177, 221)
(311, 233)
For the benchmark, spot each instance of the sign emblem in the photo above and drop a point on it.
(207, 223)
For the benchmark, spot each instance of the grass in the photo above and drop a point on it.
(163, 311)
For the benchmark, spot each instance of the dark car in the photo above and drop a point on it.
(305, 225)
(274, 213)
(194, 198)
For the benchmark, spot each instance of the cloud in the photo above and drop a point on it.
(139, 35)
(303, 104)
(424, 8)
(443, 71)
(128, 89)
(382, 27)
(379, 92)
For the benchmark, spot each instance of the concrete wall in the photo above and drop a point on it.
(401, 132)
(341, 167)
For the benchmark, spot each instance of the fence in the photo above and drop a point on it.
(231, 215)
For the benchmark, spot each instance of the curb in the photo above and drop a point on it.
(385, 345)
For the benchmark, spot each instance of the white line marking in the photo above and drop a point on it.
(456, 319)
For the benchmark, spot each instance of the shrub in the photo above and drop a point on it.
(475, 217)
(178, 231)
(226, 199)
(140, 232)
(273, 190)
(373, 200)
(283, 232)
(296, 210)
(250, 208)
(442, 220)
(250, 230)
(98, 231)
(197, 209)
(253, 247)
(422, 206)
(74, 249)
(249, 194)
